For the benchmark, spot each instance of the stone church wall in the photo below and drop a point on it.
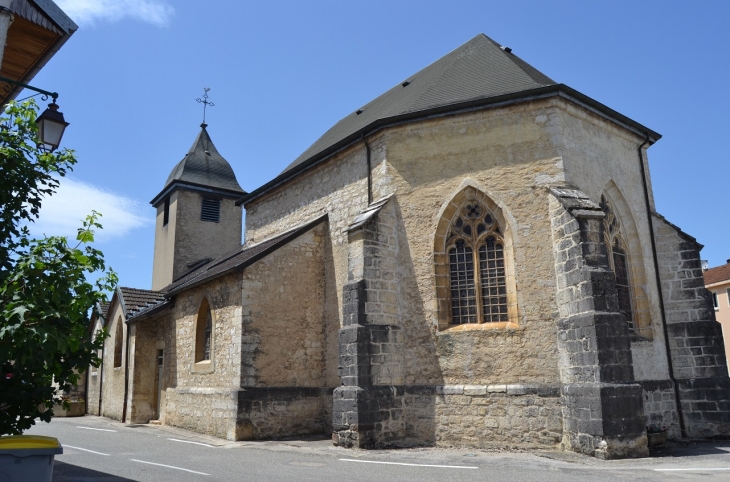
(507, 155)
(149, 336)
(206, 399)
(337, 188)
(113, 385)
(283, 316)
(93, 386)
(602, 158)
(695, 337)
(208, 410)
(284, 340)
(497, 416)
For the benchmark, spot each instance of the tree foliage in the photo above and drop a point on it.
(46, 296)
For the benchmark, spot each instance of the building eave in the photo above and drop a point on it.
(191, 186)
(67, 27)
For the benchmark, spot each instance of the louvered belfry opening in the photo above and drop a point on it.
(210, 210)
(166, 212)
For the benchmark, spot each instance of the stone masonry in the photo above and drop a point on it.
(602, 405)
(695, 338)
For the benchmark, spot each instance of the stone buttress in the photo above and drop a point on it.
(368, 408)
(603, 411)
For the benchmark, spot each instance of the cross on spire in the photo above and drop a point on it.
(205, 102)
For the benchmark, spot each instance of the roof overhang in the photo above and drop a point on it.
(557, 90)
(39, 30)
(191, 186)
(152, 310)
(718, 284)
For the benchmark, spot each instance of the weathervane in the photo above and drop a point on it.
(205, 101)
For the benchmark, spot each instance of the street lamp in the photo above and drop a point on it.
(51, 123)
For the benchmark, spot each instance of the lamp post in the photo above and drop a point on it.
(51, 123)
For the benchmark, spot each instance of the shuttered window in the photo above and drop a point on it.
(211, 210)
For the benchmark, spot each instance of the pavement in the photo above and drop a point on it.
(98, 449)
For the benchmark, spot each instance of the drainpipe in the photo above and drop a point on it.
(677, 400)
(370, 173)
(86, 392)
(126, 376)
(101, 376)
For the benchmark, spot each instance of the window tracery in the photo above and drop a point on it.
(618, 259)
(477, 278)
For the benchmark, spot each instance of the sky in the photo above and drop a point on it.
(283, 72)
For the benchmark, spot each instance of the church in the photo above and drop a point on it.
(472, 259)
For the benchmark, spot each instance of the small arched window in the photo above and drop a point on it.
(118, 340)
(476, 265)
(203, 333)
(618, 259)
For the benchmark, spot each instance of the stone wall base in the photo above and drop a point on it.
(248, 413)
(278, 412)
(660, 407)
(483, 416)
(706, 406)
(76, 409)
(210, 411)
(605, 420)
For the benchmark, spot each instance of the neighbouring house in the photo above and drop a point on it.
(474, 258)
(717, 280)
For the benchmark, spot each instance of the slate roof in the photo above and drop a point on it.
(134, 300)
(236, 259)
(203, 166)
(480, 68)
(477, 74)
(717, 274)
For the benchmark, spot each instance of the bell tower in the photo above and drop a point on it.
(197, 217)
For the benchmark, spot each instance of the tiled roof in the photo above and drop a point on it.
(717, 274)
(236, 259)
(135, 300)
(104, 309)
(203, 166)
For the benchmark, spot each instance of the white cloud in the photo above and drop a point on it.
(62, 213)
(87, 12)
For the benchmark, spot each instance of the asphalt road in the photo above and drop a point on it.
(99, 449)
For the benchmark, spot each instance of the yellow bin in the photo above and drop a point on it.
(27, 458)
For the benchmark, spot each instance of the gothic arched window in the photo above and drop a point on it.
(203, 333)
(618, 259)
(476, 266)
